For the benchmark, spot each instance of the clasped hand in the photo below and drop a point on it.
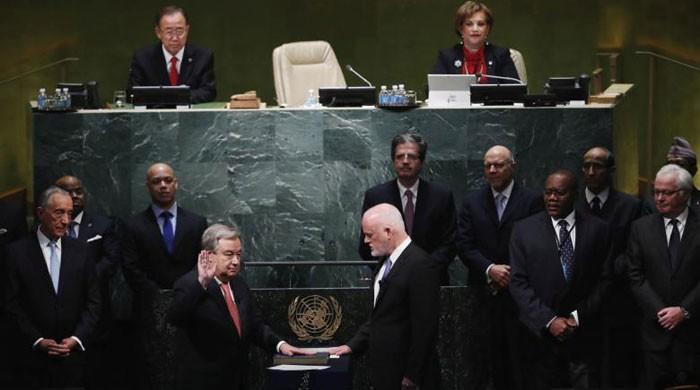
(562, 328)
(62, 349)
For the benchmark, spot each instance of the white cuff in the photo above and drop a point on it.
(488, 278)
(280, 345)
(80, 343)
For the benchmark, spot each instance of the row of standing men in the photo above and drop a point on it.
(560, 273)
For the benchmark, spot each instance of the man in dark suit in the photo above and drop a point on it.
(558, 279)
(216, 317)
(682, 154)
(428, 209)
(620, 365)
(484, 226)
(104, 249)
(13, 226)
(173, 61)
(402, 330)
(664, 270)
(160, 245)
(52, 298)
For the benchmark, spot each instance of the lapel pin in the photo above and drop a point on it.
(458, 63)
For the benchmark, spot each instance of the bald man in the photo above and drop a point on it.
(161, 244)
(401, 332)
(484, 226)
(621, 314)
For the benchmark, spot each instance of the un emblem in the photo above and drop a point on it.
(314, 317)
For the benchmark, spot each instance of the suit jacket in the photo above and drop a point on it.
(147, 264)
(33, 305)
(13, 226)
(537, 282)
(402, 330)
(148, 67)
(104, 247)
(210, 353)
(482, 239)
(498, 62)
(433, 219)
(656, 285)
(695, 198)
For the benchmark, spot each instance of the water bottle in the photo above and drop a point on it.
(383, 95)
(41, 99)
(67, 104)
(393, 100)
(310, 101)
(401, 96)
(58, 99)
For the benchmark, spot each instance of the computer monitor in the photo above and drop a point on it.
(449, 90)
(160, 96)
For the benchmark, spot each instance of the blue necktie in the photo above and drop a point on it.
(387, 269)
(500, 205)
(72, 231)
(566, 250)
(54, 265)
(168, 235)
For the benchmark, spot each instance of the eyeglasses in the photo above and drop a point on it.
(497, 166)
(173, 32)
(666, 193)
(408, 156)
(554, 192)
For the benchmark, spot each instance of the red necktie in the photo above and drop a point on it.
(232, 309)
(408, 211)
(173, 71)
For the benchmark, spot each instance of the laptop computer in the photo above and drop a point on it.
(449, 90)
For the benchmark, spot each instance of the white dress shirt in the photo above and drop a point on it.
(168, 56)
(603, 196)
(402, 194)
(393, 257)
(157, 211)
(682, 219)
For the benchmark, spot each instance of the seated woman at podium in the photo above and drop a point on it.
(474, 55)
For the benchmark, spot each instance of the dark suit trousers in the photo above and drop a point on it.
(560, 365)
(678, 365)
(41, 371)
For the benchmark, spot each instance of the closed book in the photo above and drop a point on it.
(318, 359)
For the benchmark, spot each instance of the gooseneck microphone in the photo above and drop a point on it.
(349, 68)
(492, 76)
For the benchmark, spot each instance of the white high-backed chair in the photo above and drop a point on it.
(519, 62)
(300, 66)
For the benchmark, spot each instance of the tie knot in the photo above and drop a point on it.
(53, 244)
(673, 222)
(409, 194)
(173, 60)
(166, 215)
(595, 200)
(563, 224)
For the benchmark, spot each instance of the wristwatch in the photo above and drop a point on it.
(686, 313)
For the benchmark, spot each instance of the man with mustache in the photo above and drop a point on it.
(559, 277)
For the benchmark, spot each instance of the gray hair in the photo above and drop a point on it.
(683, 179)
(386, 214)
(49, 192)
(216, 232)
(409, 137)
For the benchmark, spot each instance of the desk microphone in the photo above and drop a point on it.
(491, 76)
(349, 68)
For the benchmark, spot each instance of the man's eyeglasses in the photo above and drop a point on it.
(173, 32)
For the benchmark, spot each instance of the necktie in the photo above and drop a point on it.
(231, 305)
(168, 235)
(54, 265)
(566, 250)
(595, 205)
(500, 205)
(408, 212)
(173, 71)
(387, 269)
(72, 233)
(673, 243)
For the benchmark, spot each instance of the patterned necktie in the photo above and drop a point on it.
(54, 265)
(566, 250)
(595, 205)
(168, 235)
(673, 243)
(387, 269)
(231, 305)
(72, 230)
(408, 212)
(500, 205)
(173, 71)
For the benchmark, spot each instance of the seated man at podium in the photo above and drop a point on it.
(173, 61)
(217, 319)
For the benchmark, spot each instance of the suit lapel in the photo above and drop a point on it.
(242, 303)
(689, 232)
(154, 230)
(36, 256)
(658, 236)
(65, 270)
(160, 65)
(385, 284)
(182, 219)
(420, 212)
(85, 228)
(490, 205)
(186, 66)
(215, 293)
(552, 247)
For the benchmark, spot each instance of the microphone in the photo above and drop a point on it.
(491, 76)
(349, 68)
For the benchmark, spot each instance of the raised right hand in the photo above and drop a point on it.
(206, 268)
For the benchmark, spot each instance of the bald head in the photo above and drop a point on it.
(74, 187)
(383, 229)
(499, 166)
(162, 185)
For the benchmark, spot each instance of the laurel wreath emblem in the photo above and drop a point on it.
(314, 317)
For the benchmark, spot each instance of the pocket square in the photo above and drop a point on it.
(97, 237)
(3, 231)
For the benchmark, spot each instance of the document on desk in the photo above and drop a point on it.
(297, 367)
